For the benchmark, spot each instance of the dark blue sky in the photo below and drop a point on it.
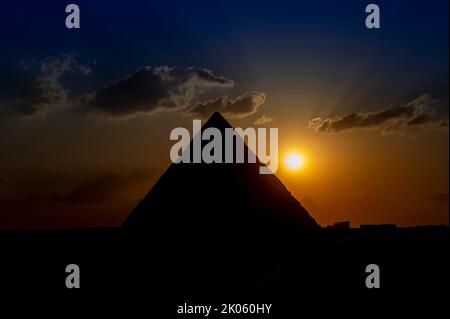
(225, 35)
(307, 47)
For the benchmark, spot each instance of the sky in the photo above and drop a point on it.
(85, 114)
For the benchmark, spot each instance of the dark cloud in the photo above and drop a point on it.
(241, 106)
(394, 119)
(43, 91)
(420, 119)
(149, 89)
(153, 88)
(439, 198)
(108, 186)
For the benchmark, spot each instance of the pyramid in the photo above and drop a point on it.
(219, 200)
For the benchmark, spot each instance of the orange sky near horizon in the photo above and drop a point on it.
(361, 175)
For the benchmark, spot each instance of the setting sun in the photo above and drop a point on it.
(294, 161)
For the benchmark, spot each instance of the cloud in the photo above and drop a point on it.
(43, 91)
(149, 89)
(107, 187)
(241, 106)
(263, 120)
(418, 113)
(153, 88)
(438, 198)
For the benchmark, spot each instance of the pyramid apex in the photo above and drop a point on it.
(217, 115)
(218, 121)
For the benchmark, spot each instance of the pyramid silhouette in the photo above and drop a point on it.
(219, 201)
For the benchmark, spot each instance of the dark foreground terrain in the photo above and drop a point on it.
(323, 271)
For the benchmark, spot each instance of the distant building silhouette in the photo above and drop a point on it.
(378, 227)
(340, 225)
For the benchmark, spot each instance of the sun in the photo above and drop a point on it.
(294, 161)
